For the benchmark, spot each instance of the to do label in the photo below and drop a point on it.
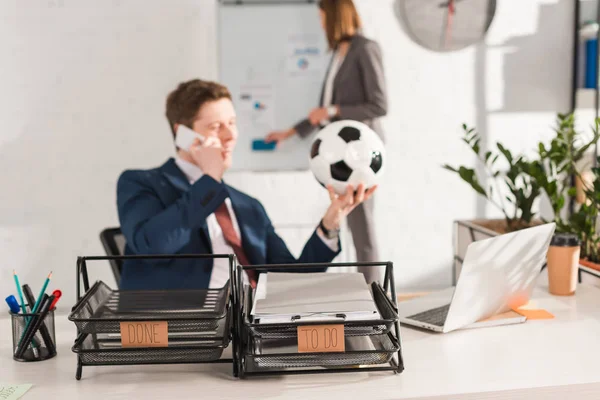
(321, 339)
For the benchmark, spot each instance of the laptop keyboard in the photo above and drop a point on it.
(435, 316)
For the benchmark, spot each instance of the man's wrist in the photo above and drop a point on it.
(329, 229)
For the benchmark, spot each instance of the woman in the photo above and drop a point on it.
(354, 88)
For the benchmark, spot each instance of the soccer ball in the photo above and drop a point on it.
(347, 152)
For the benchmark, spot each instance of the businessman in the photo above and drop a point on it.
(185, 207)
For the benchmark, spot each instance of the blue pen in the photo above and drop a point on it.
(14, 308)
(12, 304)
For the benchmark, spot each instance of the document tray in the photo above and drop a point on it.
(102, 309)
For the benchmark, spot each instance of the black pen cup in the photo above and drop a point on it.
(42, 346)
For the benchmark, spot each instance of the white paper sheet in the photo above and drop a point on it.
(313, 296)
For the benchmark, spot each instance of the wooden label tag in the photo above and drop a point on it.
(144, 334)
(321, 339)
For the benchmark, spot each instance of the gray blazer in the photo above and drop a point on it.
(358, 88)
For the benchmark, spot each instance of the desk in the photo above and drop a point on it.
(537, 359)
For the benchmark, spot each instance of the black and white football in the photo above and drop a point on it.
(347, 152)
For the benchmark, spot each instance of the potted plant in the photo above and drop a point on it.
(515, 189)
(584, 223)
(511, 190)
(560, 167)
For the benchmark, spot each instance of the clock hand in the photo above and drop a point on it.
(451, 11)
(446, 32)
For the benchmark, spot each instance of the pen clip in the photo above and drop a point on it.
(299, 317)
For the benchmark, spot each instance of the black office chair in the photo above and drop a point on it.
(113, 241)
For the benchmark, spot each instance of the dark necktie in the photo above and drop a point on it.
(232, 238)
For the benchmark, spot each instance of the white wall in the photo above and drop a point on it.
(83, 88)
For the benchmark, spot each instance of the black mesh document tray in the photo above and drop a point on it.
(351, 328)
(102, 309)
(184, 347)
(272, 349)
(360, 350)
(199, 321)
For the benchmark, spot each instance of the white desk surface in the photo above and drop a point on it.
(537, 358)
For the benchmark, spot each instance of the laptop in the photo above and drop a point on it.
(498, 274)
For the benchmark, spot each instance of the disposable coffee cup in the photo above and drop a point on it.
(563, 264)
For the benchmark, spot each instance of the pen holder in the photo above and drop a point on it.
(42, 345)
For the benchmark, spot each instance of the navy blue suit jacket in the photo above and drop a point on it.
(161, 213)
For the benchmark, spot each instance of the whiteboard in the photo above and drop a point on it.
(273, 59)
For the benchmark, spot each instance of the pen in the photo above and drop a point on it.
(35, 324)
(43, 329)
(57, 294)
(12, 304)
(19, 291)
(34, 310)
(39, 299)
(30, 300)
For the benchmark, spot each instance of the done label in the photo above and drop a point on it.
(145, 334)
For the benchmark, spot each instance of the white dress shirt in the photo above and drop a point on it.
(337, 61)
(220, 272)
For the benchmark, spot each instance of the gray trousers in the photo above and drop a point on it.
(361, 222)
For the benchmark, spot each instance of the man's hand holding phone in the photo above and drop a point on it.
(208, 155)
(206, 152)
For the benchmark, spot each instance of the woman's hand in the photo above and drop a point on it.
(317, 115)
(342, 205)
(280, 136)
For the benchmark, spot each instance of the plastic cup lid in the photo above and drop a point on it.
(565, 240)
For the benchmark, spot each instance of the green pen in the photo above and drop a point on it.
(39, 299)
(24, 309)
(19, 292)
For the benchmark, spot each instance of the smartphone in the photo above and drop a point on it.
(184, 137)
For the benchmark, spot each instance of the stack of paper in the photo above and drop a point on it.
(295, 297)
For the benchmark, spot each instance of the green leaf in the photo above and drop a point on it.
(572, 192)
(476, 146)
(560, 203)
(488, 154)
(449, 168)
(541, 148)
(469, 176)
(505, 152)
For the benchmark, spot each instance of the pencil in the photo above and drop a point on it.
(19, 292)
(39, 299)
